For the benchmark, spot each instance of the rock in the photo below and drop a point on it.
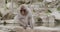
(56, 14)
(29, 29)
(1, 31)
(19, 29)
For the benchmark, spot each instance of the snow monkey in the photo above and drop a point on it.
(24, 17)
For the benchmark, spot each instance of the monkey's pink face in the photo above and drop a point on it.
(23, 11)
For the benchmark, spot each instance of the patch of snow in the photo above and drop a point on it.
(9, 5)
(49, 0)
(56, 14)
(45, 28)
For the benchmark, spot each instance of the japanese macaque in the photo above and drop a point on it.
(24, 17)
(23, 11)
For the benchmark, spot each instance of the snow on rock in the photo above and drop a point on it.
(9, 5)
(3, 11)
(45, 28)
(2, 31)
(50, 0)
(56, 14)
